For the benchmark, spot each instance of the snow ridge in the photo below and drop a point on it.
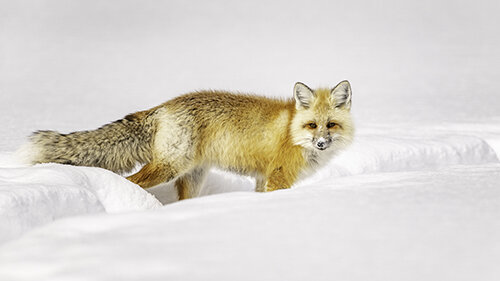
(33, 196)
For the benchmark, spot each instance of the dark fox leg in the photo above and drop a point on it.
(190, 183)
(260, 184)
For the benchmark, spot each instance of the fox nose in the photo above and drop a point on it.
(322, 143)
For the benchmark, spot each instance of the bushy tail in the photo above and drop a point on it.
(118, 146)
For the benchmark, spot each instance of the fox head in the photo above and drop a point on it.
(322, 120)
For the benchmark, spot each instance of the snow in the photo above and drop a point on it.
(30, 197)
(363, 227)
(416, 197)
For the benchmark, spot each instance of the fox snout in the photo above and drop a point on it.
(322, 143)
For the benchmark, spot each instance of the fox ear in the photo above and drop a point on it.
(303, 95)
(341, 95)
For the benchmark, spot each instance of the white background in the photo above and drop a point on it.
(116, 57)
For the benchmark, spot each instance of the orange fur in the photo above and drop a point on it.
(246, 134)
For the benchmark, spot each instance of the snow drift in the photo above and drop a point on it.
(33, 196)
(422, 225)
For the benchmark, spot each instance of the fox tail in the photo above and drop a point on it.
(118, 146)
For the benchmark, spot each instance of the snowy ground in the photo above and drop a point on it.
(416, 197)
(438, 225)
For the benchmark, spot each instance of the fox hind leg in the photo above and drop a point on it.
(189, 184)
(160, 171)
(153, 173)
(173, 152)
(260, 184)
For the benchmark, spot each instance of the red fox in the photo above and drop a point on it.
(276, 141)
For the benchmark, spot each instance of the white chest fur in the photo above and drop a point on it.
(315, 160)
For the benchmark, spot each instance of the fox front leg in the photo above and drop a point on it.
(279, 178)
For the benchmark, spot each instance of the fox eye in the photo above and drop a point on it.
(330, 125)
(312, 125)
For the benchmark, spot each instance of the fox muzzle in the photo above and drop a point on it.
(322, 143)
